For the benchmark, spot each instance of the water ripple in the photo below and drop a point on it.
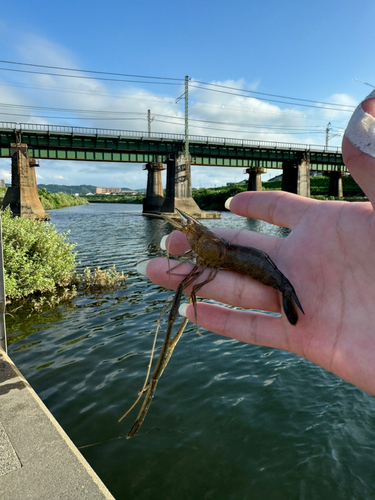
(228, 421)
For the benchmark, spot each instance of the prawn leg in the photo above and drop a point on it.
(165, 354)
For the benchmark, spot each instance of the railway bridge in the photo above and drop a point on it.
(156, 150)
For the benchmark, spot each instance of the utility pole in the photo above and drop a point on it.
(185, 96)
(187, 119)
(328, 129)
(149, 120)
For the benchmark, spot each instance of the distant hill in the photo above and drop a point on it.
(60, 188)
(81, 190)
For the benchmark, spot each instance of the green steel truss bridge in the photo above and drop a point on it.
(54, 142)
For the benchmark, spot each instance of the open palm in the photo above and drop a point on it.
(329, 257)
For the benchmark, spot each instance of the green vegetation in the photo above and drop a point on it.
(37, 259)
(214, 198)
(54, 200)
(319, 187)
(51, 201)
(81, 190)
(40, 265)
(61, 188)
(115, 198)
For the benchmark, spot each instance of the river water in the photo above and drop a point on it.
(229, 421)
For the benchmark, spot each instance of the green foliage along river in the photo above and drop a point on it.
(214, 198)
(229, 421)
(51, 201)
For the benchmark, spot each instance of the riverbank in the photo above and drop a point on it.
(115, 198)
(51, 201)
(38, 459)
(214, 198)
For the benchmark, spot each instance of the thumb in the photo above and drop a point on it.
(358, 146)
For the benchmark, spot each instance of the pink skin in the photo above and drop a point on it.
(329, 257)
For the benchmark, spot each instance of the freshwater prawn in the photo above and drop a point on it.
(212, 252)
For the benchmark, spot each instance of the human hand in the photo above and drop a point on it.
(329, 257)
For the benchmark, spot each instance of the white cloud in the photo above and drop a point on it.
(125, 108)
(5, 174)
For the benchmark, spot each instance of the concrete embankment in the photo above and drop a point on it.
(38, 461)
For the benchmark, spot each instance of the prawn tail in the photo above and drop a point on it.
(290, 300)
(290, 308)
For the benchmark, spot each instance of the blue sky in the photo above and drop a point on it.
(304, 50)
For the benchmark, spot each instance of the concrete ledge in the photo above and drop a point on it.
(38, 461)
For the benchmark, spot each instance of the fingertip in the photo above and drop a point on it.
(141, 267)
(163, 241)
(227, 203)
(182, 310)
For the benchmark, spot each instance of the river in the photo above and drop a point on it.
(229, 421)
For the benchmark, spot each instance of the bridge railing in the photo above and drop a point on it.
(62, 129)
(9, 126)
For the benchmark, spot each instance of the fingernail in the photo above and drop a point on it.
(182, 310)
(227, 203)
(141, 267)
(163, 241)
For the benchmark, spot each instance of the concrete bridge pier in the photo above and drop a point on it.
(255, 180)
(170, 190)
(296, 177)
(22, 197)
(183, 198)
(335, 184)
(178, 189)
(154, 195)
(178, 192)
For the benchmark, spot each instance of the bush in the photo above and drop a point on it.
(36, 257)
(51, 201)
(100, 280)
(215, 198)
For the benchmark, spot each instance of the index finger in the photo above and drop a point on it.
(276, 207)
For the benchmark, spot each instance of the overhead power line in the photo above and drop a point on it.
(68, 110)
(279, 132)
(274, 95)
(76, 117)
(349, 110)
(120, 115)
(241, 124)
(91, 71)
(87, 77)
(212, 87)
(152, 99)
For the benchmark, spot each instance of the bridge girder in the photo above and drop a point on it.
(55, 145)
